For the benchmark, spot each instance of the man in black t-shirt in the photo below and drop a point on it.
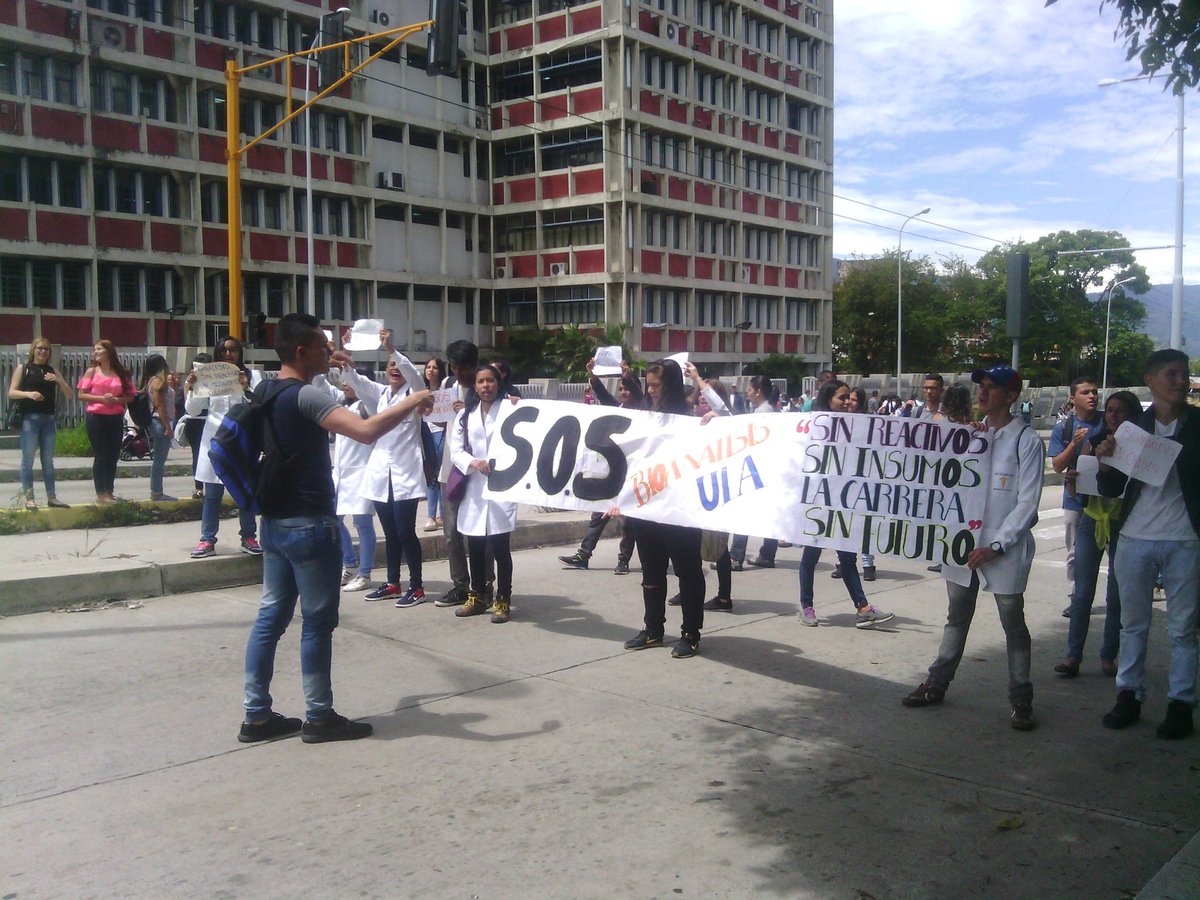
(302, 556)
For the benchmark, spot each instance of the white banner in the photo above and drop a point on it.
(867, 484)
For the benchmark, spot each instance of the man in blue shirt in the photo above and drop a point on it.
(1067, 439)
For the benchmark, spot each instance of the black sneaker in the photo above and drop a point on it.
(735, 565)
(453, 597)
(1178, 723)
(837, 571)
(719, 604)
(761, 562)
(334, 727)
(677, 600)
(1127, 710)
(575, 561)
(642, 640)
(1022, 717)
(925, 694)
(275, 727)
(622, 568)
(689, 645)
(868, 573)
(934, 568)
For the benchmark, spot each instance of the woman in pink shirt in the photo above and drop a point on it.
(107, 389)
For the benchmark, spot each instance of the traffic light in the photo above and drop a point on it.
(449, 17)
(332, 65)
(1017, 270)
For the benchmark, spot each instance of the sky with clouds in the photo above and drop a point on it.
(989, 113)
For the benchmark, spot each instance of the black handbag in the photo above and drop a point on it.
(16, 415)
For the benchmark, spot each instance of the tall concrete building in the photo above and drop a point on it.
(663, 164)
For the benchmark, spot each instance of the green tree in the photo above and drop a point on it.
(560, 353)
(1160, 34)
(781, 365)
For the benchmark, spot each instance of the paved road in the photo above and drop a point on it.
(538, 758)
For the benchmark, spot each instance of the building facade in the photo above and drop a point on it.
(663, 164)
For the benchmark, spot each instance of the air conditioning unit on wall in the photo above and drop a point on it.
(501, 271)
(106, 34)
(392, 181)
(559, 268)
(672, 31)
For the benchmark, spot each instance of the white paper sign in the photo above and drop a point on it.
(364, 335)
(1142, 455)
(218, 379)
(608, 361)
(443, 406)
(866, 484)
(328, 335)
(1085, 482)
(680, 358)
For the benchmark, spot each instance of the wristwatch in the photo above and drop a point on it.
(997, 548)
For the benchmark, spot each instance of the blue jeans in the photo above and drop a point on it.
(364, 560)
(210, 515)
(37, 434)
(954, 638)
(737, 548)
(849, 563)
(160, 445)
(1087, 571)
(433, 493)
(300, 559)
(1137, 563)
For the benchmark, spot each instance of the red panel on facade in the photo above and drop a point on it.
(212, 56)
(702, 118)
(771, 68)
(158, 43)
(343, 170)
(552, 29)
(791, 75)
(750, 203)
(771, 276)
(792, 9)
(791, 343)
(750, 132)
(750, 60)
(12, 118)
(270, 159)
(771, 138)
(587, 100)
(347, 255)
(126, 234)
(648, 22)
(704, 193)
(677, 110)
(519, 37)
(57, 124)
(681, 32)
(702, 43)
(704, 267)
(791, 278)
(677, 265)
(702, 341)
(497, 116)
(652, 339)
(677, 188)
(43, 18)
(755, 277)
(523, 190)
(651, 262)
(8, 14)
(61, 228)
(322, 252)
(215, 241)
(791, 143)
(771, 4)
(519, 113)
(552, 108)
(554, 186)
(161, 141)
(524, 266)
(770, 343)
(212, 148)
(585, 20)
(589, 261)
(498, 193)
(494, 42)
(123, 331)
(320, 165)
(792, 212)
(677, 341)
(589, 182)
(650, 102)
(113, 134)
(166, 238)
(69, 330)
(749, 342)
(14, 224)
(268, 246)
(771, 207)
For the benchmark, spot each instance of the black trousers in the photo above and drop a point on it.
(497, 546)
(658, 545)
(105, 433)
(399, 521)
(596, 525)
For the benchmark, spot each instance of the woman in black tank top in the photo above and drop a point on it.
(34, 389)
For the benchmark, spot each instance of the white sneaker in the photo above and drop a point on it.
(807, 616)
(430, 525)
(357, 583)
(347, 576)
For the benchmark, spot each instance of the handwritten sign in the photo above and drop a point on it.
(218, 379)
(364, 335)
(1142, 455)
(867, 484)
(443, 406)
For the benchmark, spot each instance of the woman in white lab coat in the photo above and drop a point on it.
(487, 524)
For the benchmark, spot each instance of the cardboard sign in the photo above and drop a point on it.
(218, 379)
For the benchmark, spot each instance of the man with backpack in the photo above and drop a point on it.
(300, 538)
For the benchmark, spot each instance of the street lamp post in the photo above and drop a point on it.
(1177, 275)
(1112, 286)
(900, 295)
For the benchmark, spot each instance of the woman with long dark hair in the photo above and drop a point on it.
(107, 389)
(435, 374)
(761, 397)
(34, 387)
(156, 384)
(834, 396)
(227, 350)
(659, 545)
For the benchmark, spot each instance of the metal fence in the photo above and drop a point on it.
(71, 364)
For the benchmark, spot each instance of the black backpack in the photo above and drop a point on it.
(140, 410)
(244, 452)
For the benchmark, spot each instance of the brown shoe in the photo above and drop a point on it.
(1108, 668)
(1068, 668)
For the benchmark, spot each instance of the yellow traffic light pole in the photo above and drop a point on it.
(234, 152)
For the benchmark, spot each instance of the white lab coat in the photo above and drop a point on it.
(477, 516)
(217, 407)
(396, 458)
(350, 459)
(1012, 505)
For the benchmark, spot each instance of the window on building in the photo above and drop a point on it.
(573, 67)
(574, 305)
(129, 288)
(761, 312)
(38, 76)
(513, 81)
(516, 232)
(266, 294)
(135, 191)
(41, 283)
(663, 229)
(337, 301)
(135, 94)
(573, 226)
(516, 307)
(423, 215)
(572, 147)
(664, 151)
(252, 26)
(515, 157)
(44, 180)
(506, 12)
(422, 137)
(714, 310)
(664, 305)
